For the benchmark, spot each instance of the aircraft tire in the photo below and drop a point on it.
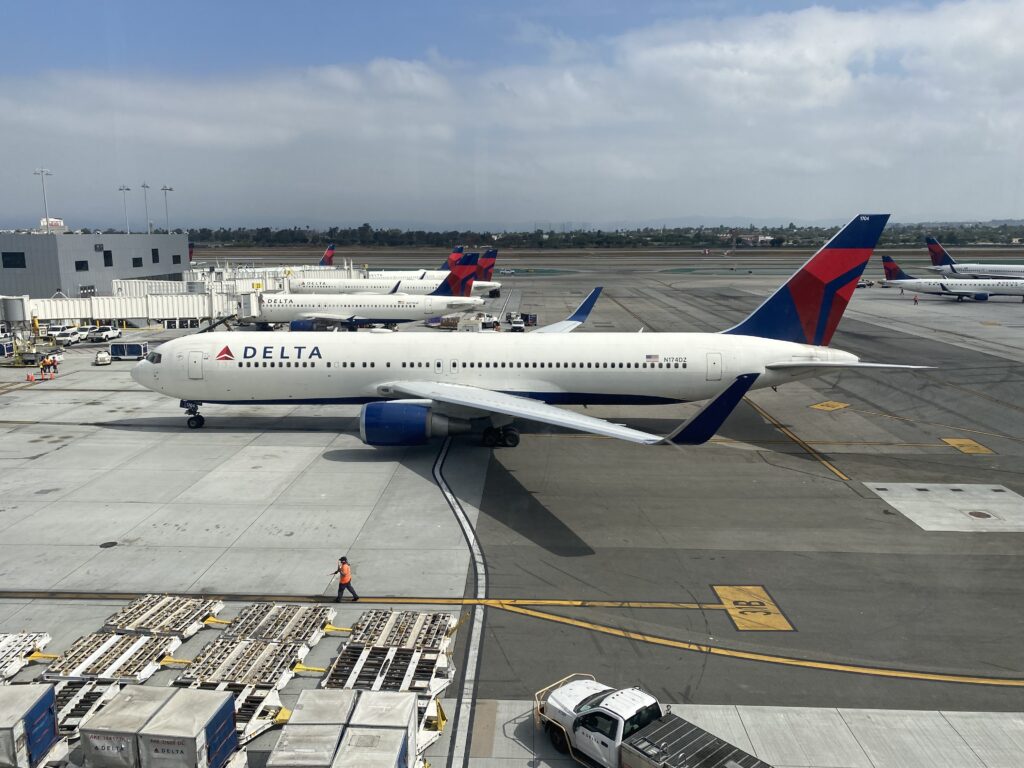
(510, 437)
(195, 422)
(491, 437)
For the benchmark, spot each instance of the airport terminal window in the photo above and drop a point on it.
(176, 258)
(82, 266)
(156, 255)
(136, 261)
(108, 258)
(13, 259)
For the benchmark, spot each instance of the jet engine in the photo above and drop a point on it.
(981, 297)
(401, 423)
(302, 325)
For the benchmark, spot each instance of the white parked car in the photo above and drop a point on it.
(102, 358)
(105, 333)
(85, 330)
(66, 338)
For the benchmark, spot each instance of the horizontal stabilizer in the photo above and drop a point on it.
(710, 418)
(576, 319)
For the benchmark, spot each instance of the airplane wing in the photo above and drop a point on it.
(947, 291)
(574, 320)
(331, 316)
(696, 430)
(839, 364)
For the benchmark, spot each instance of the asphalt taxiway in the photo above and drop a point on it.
(785, 564)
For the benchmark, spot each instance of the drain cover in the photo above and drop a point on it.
(979, 514)
(108, 544)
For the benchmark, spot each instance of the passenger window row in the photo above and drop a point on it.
(352, 364)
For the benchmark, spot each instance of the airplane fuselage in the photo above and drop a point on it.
(390, 308)
(956, 288)
(584, 368)
(991, 271)
(411, 286)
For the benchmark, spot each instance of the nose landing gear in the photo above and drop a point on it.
(195, 419)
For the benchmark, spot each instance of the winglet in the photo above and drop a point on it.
(395, 289)
(583, 310)
(577, 318)
(710, 418)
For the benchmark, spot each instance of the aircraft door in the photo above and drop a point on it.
(714, 366)
(195, 364)
(439, 367)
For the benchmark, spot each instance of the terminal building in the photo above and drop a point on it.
(82, 266)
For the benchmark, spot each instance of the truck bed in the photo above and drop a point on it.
(672, 742)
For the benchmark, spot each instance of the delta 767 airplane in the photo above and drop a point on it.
(484, 272)
(977, 288)
(411, 286)
(948, 266)
(415, 386)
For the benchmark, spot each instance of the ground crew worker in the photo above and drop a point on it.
(915, 299)
(344, 572)
(44, 366)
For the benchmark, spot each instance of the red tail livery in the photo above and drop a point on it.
(327, 260)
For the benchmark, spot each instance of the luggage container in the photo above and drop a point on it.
(323, 706)
(28, 724)
(306, 746)
(387, 710)
(195, 729)
(374, 748)
(110, 738)
(129, 350)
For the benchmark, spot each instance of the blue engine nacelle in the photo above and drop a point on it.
(399, 423)
(981, 297)
(302, 325)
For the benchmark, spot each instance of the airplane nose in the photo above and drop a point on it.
(136, 372)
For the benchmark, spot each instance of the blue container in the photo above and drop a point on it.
(28, 723)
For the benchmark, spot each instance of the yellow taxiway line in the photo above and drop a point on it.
(796, 439)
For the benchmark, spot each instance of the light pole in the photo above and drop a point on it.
(124, 194)
(145, 198)
(167, 218)
(42, 173)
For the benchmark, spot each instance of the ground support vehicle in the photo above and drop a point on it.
(126, 350)
(627, 728)
(102, 358)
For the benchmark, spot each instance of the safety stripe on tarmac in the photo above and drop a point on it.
(793, 436)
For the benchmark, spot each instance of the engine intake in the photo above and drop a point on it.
(398, 423)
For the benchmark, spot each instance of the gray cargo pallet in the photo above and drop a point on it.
(164, 615)
(282, 623)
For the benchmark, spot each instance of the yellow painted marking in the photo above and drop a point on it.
(500, 603)
(332, 628)
(40, 656)
(767, 658)
(830, 405)
(303, 668)
(966, 445)
(752, 609)
(792, 436)
(213, 620)
(171, 660)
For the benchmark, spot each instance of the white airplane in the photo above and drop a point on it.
(485, 271)
(979, 289)
(353, 285)
(416, 386)
(947, 265)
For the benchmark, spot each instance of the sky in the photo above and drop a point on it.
(503, 115)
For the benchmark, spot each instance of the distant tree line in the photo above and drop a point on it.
(717, 238)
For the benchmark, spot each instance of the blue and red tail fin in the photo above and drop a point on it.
(327, 260)
(453, 257)
(808, 307)
(893, 270)
(460, 278)
(940, 258)
(485, 267)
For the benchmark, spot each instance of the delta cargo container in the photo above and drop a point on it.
(386, 709)
(374, 748)
(306, 746)
(28, 724)
(195, 729)
(323, 706)
(110, 738)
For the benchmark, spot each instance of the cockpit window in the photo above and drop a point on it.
(153, 357)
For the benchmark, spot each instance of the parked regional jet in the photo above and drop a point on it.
(484, 273)
(947, 265)
(314, 311)
(978, 289)
(414, 287)
(415, 386)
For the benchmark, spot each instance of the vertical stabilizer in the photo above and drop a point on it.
(940, 257)
(808, 307)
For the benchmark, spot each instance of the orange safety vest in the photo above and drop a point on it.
(344, 574)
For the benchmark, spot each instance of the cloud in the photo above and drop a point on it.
(805, 115)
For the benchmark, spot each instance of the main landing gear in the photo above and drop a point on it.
(507, 437)
(195, 419)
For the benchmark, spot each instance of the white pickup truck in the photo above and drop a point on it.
(627, 728)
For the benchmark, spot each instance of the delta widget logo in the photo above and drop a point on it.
(225, 354)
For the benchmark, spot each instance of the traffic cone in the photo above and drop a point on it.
(30, 377)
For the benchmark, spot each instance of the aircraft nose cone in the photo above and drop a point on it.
(136, 372)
